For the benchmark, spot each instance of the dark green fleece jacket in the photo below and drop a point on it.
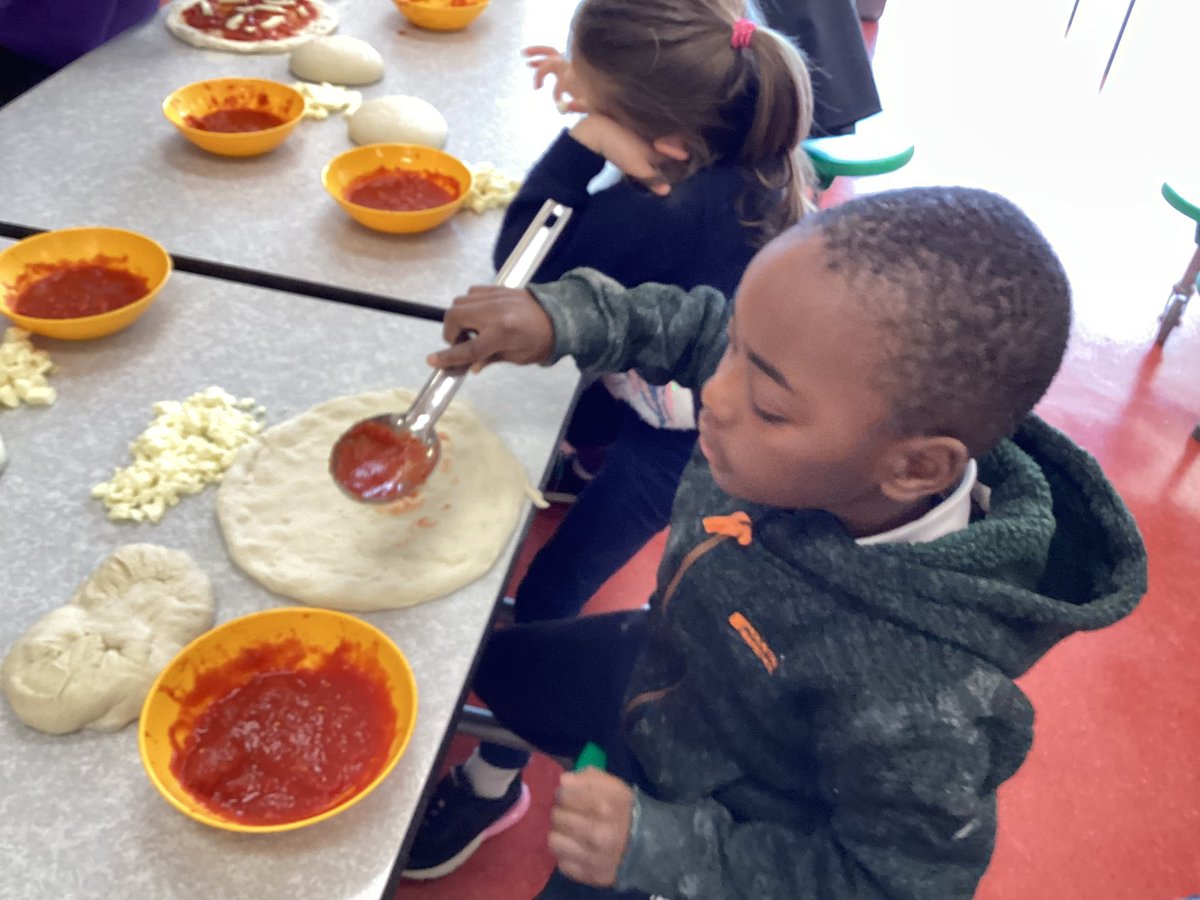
(823, 719)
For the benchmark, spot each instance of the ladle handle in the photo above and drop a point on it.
(518, 268)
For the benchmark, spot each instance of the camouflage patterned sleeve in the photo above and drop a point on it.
(664, 332)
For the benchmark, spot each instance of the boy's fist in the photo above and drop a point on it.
(509, 326)
(589, 826)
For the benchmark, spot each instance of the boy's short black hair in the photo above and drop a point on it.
(972, 304)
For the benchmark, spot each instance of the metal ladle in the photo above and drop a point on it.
(421, 419)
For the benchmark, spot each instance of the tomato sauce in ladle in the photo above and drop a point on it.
(387, 458)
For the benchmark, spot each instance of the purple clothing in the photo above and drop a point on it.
(56, 32)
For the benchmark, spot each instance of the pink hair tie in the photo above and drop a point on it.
(743, 30)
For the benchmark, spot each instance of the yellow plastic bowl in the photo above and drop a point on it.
(204, 97)
(342, 170)
(439, 15)
(134, 252)
(320, 631)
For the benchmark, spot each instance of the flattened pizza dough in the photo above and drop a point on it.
(289, 526)
(265, 26)
(90, 663)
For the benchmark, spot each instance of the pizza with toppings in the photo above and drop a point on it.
(257, 26)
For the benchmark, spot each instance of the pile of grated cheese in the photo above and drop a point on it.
(188, 446)
(322, 99)
(23, 371)
(490, 188)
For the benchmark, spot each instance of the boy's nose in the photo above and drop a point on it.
(714, 395)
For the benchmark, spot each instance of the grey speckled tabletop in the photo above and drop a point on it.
(91, 147)
(78, 817)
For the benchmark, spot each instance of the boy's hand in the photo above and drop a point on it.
(546, 62)
(510, 326)
(633, 155)
(589, 826)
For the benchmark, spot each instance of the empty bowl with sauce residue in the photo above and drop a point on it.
(235, 116)
(81, 283)
(277, 720)
(397, 188)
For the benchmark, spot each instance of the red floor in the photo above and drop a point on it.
(1107, 807)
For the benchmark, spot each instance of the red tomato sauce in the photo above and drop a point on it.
(237, 24)
(286, 742)
(376, 463)
(72, 289)
(231, 121)
(402, 190)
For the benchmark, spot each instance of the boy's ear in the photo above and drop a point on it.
(921, 467)
(673, 146)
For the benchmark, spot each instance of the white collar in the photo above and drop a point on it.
(950, 515)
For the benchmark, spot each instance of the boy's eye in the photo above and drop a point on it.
(769, 418)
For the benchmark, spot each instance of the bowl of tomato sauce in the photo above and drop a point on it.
(235, 116)
(81, 283)
(277, 720)
(397, 188)
(441, 15)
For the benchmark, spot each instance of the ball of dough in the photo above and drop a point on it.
(399, 120)
(90, 663)
(337, 59)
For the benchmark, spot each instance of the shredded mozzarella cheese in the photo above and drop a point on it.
(23, 371)
(189, 445)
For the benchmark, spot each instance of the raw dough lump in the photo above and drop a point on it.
(90, 663)
(399, 120)
(337, 59)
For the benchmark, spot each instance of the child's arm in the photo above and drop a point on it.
(562, 174)
(625, 230)
(910, 789)
(666, 333)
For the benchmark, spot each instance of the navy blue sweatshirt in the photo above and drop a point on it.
(690, 237)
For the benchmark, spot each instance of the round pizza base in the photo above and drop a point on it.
(288, 526)
(325, 23)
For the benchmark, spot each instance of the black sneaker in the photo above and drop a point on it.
(567, 480)
(457, 821)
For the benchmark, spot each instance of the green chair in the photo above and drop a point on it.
(1182, 292)
(869, 151)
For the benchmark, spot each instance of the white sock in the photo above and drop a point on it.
(488, 781)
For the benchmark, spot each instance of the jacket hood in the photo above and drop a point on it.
(1057, 552)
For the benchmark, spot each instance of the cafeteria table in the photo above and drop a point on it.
(78, 816)
(90, 146)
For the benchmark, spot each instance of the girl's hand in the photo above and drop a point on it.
(636, 157)
(510, 326)
(547, 62)
(589, 826)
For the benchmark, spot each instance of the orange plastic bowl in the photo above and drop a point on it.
(440, 15)
(320, 631)
(131, 251)
(342, 170)
(204, 97)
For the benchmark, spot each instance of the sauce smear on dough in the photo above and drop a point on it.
(251, 21)
(376, 463)
(264, 741)
(76, 288)
(231, 121)
(402, 190)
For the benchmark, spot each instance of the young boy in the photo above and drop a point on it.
(874, 541)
